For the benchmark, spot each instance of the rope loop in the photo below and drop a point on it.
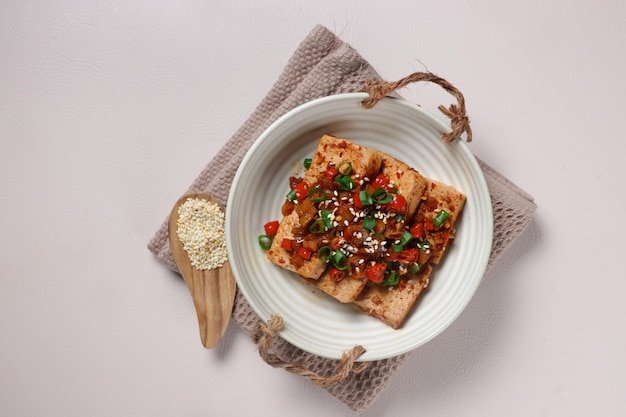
(264, 335)
(459, 122)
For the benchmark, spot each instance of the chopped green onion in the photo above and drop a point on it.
(344, 168)
(324, 253)
(397, 248)
(391, 279)
(368, 224)
(384, 198)
(406, 237)
(414, 268)
(325, 216)
(381, 196)
(339, 260)
(307, 163)
(265, 242)
(441, 217)
(425, 245)
(345, 182)
(378, 192)
(317, 227)
(292, 195)
(317, 194)
(365, 198)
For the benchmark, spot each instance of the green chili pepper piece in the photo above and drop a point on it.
(317, 194)
(368, 224)
(345, 182)
(317, 227)
(391, 279)
(324, 253)
(406, 238)
(344, 168)
(441, 217)
(414, 268)
(265, 242)
(339, 260)
(397, 248)
(365, 198)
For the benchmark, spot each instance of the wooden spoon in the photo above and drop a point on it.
(212, 290)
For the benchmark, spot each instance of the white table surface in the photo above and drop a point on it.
(108, 111)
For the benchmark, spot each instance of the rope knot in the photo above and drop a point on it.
(459, 122)
(264, 335)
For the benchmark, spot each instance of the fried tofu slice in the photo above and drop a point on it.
(411, 185)
(344, 291)
(438, 197)
(281, 257)
(391, 305)
(332, 150)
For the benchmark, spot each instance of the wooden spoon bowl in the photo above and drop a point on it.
(212, 290)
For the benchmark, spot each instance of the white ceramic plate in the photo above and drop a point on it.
(314, 321)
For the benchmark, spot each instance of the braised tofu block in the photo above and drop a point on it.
(284, 254)
(317, 194)
(392, 304)
(333, 151)
(408, 181)
(436, 217)
(345, 290)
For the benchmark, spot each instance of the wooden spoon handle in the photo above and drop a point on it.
(212, 290)
(213, 294)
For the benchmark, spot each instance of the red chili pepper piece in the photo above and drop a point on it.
(271, 228)
(337, 275)
(376, 272)
(287, 244)
(397, 205)
(381, 181)
(357, 199)
(305, 252)
(331, 172)
(417, 230)
(302, 191)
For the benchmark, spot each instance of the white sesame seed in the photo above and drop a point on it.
(200, 228)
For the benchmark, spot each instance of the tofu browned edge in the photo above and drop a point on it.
(410, 185)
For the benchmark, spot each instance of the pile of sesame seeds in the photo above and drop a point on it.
(201, 231)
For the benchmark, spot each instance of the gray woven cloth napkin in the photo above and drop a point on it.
(323, 65)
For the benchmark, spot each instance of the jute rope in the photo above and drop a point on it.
(264, 336)
(458, 117)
